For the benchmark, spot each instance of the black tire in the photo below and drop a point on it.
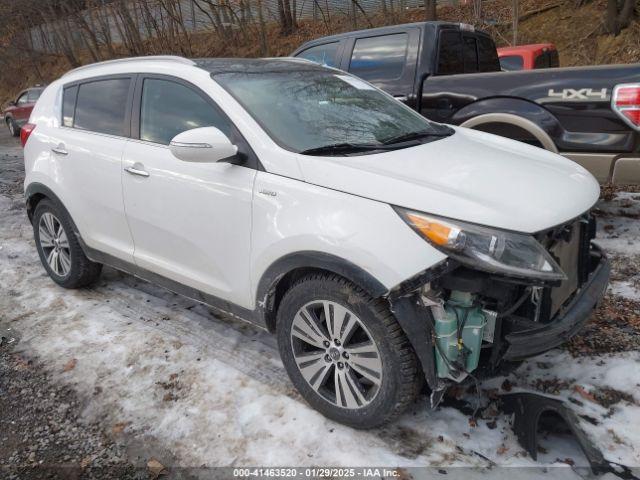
(14, 129)
(82, 271)
(401, 376)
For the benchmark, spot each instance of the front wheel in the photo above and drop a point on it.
(345, 352)
(14, 130)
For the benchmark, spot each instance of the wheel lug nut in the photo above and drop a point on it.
(326, 343)
(337, 342)
(340, 365)
(345, 354)
(327, 358)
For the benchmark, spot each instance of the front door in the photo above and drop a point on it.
(191, 222)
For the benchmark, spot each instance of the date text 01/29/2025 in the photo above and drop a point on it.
(310, 472)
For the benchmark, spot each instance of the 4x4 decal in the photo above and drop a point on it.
(580, 94)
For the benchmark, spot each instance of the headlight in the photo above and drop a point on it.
(488, 249)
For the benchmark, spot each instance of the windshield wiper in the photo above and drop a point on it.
(342, 148)
(405, 137)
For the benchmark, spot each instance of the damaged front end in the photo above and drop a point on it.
(465, 321)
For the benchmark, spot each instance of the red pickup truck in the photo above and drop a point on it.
(17, 112)
(528, 57)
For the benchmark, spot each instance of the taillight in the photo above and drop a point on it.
(625, 101)
(25, 131)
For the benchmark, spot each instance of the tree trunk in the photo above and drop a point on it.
(515, 14)
(430, 13)
(616, 20)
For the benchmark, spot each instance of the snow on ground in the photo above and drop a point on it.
(213, 392)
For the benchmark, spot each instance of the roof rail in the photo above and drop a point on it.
(165, 58)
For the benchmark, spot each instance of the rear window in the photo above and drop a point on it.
(326, 54)
(450, 53)
(101, 106)
(487, 55)
(34, 95)
(379, 58)
(511, 62)
(470, 53)
(69, 105)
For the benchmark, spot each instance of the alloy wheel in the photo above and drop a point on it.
(336, 354)
(55, 244)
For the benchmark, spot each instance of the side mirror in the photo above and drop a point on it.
(205, 144)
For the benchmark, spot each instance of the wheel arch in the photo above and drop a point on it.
(282, 273)
(35, 193)
(521, 113)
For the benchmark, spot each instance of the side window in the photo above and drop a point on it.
(554, 61)
(22, 99)
(69, 105)
(33, 95)
(450, 53)
(169, 108)
(470, 55)
(102, 105)
(379, 58)
(487, 55)
(511, 62)
(323, 54)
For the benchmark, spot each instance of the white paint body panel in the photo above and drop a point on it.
(218, 227)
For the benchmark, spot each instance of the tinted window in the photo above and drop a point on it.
(34, 95)
(169, 108)
(22, 99)
(102, 105)
(487, 55)
(470, 55)
(511, 62)
(541, 61)
(450, 53)
(68, 105)
(322, 54)
(554, 61)
(379, 58)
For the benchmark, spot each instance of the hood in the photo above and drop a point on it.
(470, 176)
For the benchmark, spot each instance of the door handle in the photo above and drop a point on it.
(136, 171)
(60, 150)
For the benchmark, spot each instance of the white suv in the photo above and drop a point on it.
(384, 250)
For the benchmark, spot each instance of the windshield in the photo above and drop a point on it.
(313, 111)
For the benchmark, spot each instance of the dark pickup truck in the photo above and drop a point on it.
(450, 73)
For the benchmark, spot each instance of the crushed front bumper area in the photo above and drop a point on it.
(567, 322)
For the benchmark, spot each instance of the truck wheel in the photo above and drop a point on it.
(345, 352)
(14, 130)
(59, 250)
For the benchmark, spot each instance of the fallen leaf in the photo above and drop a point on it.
(502, 449)
(472, 422)
(119, 427)
(85, 462)
(584, 394)
(155, 467)
(70, 365)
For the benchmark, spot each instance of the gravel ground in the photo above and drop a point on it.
(41, 433)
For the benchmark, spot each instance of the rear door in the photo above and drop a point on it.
(22, 109)
(387, 61)
(191, 222)
(87, 152)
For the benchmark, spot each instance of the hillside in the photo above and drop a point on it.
(577, 32)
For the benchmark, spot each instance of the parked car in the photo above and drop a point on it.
(450, 73)
(306, 201)
(17, 112)
(528, 57)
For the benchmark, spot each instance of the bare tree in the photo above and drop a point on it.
(515, 16)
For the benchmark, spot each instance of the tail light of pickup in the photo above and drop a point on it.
(625, 101)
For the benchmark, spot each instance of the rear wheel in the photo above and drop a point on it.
(345, 352)
(59, 249)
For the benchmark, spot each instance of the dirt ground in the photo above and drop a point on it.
(125, 380)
